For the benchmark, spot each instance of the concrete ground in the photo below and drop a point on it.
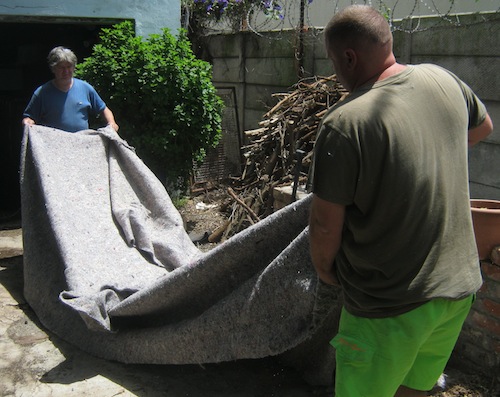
(35, 362)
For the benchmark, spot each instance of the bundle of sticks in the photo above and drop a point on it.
(270, 159)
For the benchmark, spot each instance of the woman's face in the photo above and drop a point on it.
(63, 70)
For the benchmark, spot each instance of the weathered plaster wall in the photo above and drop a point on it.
(150, 15)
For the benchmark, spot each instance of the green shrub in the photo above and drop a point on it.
(162, 97)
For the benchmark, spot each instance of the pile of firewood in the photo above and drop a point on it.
(286, 135)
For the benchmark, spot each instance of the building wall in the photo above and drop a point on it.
(150, 16)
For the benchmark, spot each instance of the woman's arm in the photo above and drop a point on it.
(110, 118)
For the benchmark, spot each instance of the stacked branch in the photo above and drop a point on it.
(269, 157)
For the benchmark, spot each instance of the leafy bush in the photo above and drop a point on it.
(162, 96)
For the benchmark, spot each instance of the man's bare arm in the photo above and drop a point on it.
(325, 235)
(480, 132)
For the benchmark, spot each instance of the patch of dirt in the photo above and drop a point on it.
(203, 214)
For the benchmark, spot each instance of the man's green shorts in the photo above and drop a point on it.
(376, 355)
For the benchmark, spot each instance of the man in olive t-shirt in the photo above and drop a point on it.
(390, 217)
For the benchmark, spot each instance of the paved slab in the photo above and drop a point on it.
(11, 243)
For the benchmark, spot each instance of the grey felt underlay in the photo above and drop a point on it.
(109, 267)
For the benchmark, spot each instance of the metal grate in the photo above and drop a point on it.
(225, 159)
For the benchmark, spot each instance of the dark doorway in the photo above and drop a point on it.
(23, 68)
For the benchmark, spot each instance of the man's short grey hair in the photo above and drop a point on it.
(358, 23)
(61, 54)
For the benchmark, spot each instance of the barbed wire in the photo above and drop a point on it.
(409, 22)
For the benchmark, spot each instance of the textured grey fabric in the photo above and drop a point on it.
(109, 267)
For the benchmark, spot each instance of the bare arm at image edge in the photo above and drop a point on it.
(480, 132)
(325, 235)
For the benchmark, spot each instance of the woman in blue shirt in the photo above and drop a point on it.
(66, 103)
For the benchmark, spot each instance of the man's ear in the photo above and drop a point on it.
(350, 58)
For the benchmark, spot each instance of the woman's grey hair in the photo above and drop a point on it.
(61, 54)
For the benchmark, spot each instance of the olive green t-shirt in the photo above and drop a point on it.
(395, 154)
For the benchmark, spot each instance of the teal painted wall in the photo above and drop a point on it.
(150, 16)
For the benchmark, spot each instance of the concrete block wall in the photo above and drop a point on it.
(256, 66)
(472, 52)
(260, 66)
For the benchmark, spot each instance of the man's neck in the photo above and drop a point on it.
(388, 69)
(393, 69)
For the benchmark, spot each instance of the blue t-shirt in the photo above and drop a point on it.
(68, 111)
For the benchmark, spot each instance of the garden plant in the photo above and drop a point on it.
(162, 96)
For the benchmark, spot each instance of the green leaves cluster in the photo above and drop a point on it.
(162, 96)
